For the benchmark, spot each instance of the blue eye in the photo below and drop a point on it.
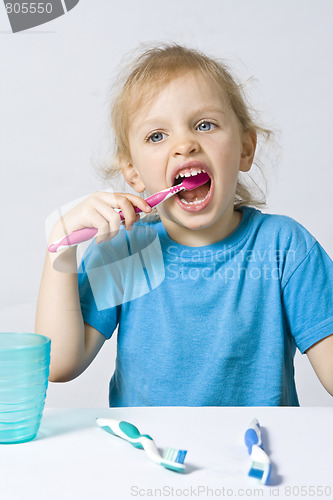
(156, 137)
(205, 126)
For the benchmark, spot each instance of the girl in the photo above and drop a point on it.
(240, 289)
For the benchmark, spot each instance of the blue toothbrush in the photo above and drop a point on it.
(172, 459)
(261, 464)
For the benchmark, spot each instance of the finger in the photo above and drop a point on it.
(115, 199)
(97, 220)
(123, 201)
(139, 202)
(127, 207)
(128, 212)
(109, 222)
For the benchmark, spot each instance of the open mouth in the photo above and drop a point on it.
(194, 199)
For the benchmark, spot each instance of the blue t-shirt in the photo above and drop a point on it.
(215, 325)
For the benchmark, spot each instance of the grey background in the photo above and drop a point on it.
(53, 87)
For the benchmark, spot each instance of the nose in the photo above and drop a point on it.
(185, 144)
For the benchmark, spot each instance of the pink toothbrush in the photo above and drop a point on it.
(86, 233)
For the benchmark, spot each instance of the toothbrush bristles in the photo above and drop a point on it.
(181, 456)
(257, 473)
(174, 455)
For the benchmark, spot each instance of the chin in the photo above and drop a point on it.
(198, 221)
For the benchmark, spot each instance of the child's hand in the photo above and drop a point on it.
(98, 211)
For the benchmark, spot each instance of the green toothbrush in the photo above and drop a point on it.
(172, 458)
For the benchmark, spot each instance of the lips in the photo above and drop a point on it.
(196, 199)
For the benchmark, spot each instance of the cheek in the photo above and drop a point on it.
(141, 155)
(152, 179)
(228, 153)
(151, 168)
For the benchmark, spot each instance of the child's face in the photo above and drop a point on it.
(188, 127)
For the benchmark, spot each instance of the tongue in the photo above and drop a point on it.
(195, 194)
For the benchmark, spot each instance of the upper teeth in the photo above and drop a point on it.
(188, 174)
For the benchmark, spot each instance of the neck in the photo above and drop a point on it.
(206, 235)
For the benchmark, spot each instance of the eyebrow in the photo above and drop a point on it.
(208, 110)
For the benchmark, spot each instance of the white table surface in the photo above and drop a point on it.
(72, 458)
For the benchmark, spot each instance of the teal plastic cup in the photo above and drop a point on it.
(24, 371)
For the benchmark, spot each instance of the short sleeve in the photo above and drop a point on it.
(308, 298)
(105, 320)
(117, 272)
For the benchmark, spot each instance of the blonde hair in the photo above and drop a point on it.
(153, 69)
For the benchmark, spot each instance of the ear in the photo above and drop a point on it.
(249, 143)
(132, 177)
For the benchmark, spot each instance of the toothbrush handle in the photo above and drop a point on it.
(73, 238)
(130, 433)
(252, 435)
(86, 233)
(122, 429)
